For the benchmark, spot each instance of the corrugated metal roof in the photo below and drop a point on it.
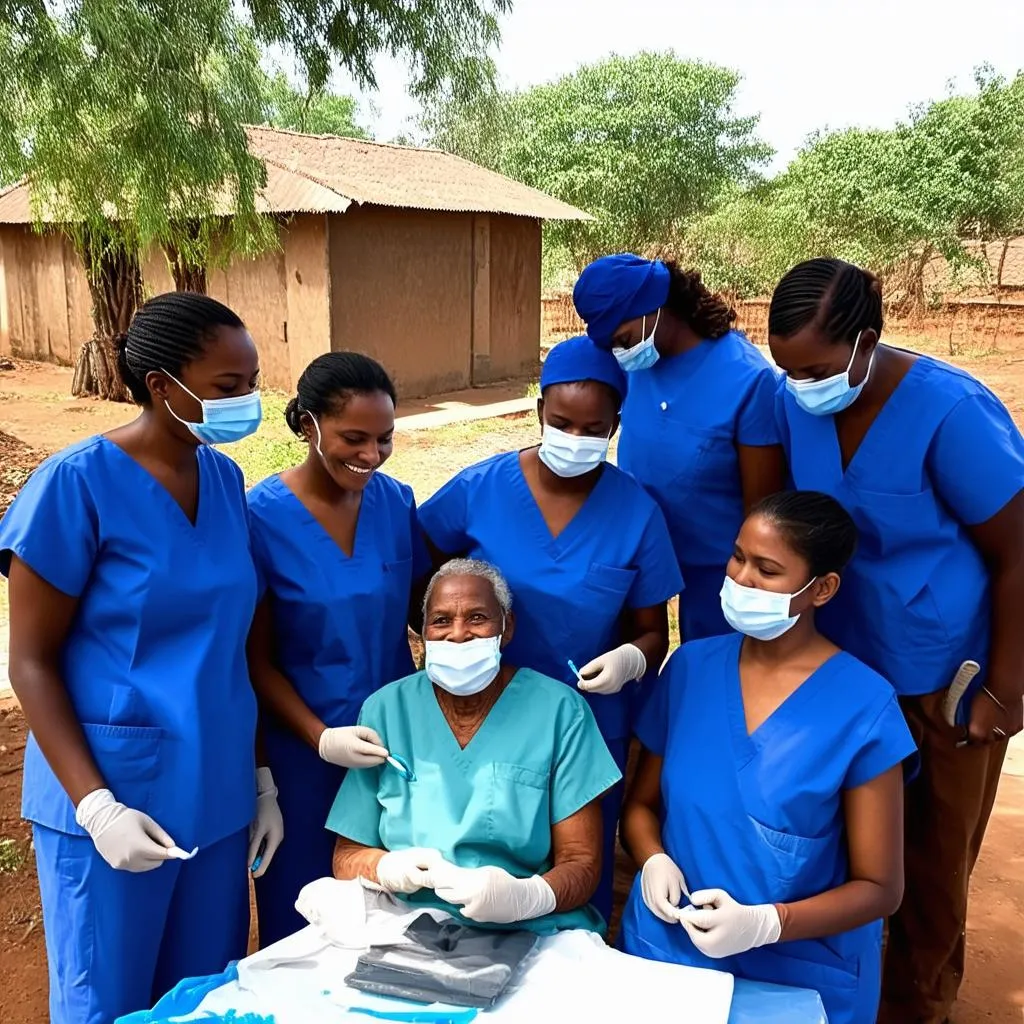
(325, 174)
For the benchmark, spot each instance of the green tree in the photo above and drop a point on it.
(445, 42)
(127, 118)
(643, 143)
(890, 199)
(316, 111)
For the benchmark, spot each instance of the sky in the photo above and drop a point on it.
(806, 64)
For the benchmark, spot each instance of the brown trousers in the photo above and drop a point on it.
(947, 810)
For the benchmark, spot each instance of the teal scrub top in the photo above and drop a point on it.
(537, 759)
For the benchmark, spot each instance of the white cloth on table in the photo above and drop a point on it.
(301, 979)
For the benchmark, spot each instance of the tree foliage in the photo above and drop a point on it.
(951, 174)
(127, 117)
(444, 42)
(642, 143)
(318, 112)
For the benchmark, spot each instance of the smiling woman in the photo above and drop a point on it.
(338, 549)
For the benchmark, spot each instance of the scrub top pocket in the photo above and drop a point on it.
(520, 806)
(897, 523)
(128, 758)
(796, 867)
(610, 580)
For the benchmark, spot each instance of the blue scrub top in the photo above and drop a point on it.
(942, 455)
(154, 663)
(569, 592)
(340, 621)
(761, 815)
(681, 423)
(537, 759)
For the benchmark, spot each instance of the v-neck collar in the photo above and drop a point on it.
(492, 720)
(877, 430)
(175, 511)
(748, 744)
(282, 489)
(521, 487)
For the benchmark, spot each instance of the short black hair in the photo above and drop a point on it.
(708, 314)
(168, 332)
(815, 526)
(331, 380)
(841, 298)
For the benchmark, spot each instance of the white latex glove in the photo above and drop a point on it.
(352, 746)
(610, 672)
(407, 871)
(662, 886)
(267, 828)
(126, 839)
(723, 927)
(492, 896)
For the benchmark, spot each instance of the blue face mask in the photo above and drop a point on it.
(761, 614)
(832, 394)
(643, 355)
(224, 419)
(567, 455)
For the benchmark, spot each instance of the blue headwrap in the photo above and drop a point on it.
(618, 288)
(580, 359)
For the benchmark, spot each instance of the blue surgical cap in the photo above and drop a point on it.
(580, 359)
(618, 288)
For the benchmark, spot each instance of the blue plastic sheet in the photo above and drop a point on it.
(754, 1002)
(185, 998)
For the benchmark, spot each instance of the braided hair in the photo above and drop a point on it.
(840, 298)
(327, 384)
(814, 525)
(166, 333)
(708, 314)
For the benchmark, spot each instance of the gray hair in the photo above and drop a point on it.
(473, 567)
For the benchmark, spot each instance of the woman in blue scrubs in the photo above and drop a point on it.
(338, 549)
(132, 589)
(767, 808)
(931, 467)
(698, 427)
(585, 550)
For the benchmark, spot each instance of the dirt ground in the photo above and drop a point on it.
(37, 417)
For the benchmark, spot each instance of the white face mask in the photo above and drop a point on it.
(464, 669)
(568, 455)
(832, 394)
(761, 614)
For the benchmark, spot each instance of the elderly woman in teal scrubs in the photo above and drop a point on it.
(500, 821)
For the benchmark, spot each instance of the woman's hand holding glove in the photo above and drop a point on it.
(610, 672)
(408, 871)
(267, 828)
(352, 746)
(662, 886)
(491, 895)
(722, 927)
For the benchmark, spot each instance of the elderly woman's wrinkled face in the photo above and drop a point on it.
(462, 608)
